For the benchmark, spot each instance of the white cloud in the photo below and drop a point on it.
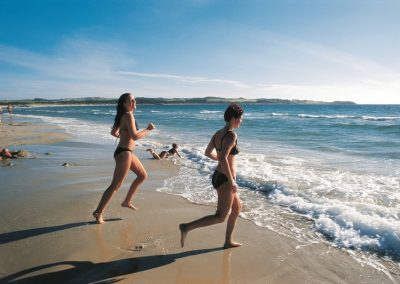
(75, 59)
(81, 68)
(367, 92)
(187, 79)
(334, 57)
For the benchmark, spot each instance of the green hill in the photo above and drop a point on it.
(146, 100)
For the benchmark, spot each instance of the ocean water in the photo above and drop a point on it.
(314, 173)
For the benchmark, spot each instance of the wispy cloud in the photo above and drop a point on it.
(318, 51)
(80, 60)
(367, 91)
(76, 58)
(84, 68)
(187, 79)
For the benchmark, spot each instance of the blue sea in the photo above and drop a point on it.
(314, 173)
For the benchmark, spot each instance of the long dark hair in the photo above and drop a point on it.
(120, 109)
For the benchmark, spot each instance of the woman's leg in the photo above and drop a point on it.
(141, 175)
(154, 154)
(163, 155)
(235, 211)
(122, 164)
(225, 199)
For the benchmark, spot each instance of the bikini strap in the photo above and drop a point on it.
(215, 144)
(224, 137)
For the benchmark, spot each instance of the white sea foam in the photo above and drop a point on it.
(210, 111)
(341, 116)
(280, 114)
(84, 130)
(352, 209)
(303, 115)
(380, 118)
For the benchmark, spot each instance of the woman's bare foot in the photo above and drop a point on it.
(98, 217)
(128, 205)
(182, 228)
(232, 245)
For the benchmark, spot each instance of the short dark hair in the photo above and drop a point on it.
(233, 110)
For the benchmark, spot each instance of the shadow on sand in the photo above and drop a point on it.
(23, 234)
(103, 272)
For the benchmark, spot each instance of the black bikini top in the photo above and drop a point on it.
(234, 150)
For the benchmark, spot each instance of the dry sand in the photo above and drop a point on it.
(47, 234)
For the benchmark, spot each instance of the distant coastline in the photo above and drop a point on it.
(144, 100)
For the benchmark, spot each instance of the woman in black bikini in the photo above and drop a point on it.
(224, 141)
(125, 129)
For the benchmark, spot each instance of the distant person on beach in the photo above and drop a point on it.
(5, 153)
(165, 154)
(125, 129)
(10, 108)
(224, 142)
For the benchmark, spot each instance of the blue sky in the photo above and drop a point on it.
(317, 50)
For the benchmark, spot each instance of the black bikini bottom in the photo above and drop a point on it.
(218, 179)
(119, 150)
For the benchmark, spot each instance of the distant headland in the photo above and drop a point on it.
(145, 100)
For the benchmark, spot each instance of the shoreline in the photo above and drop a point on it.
(52, 237)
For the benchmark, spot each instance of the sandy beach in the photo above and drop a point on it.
(47, 234)
(16, 134)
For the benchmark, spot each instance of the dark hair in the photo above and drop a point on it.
(120, 109)
(174, 145)
(233, 110)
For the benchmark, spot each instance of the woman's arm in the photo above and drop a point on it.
(210, 150)
(115, 131)
(133, 132)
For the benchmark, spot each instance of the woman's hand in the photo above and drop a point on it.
(233, 186)
(115, 132)
(150, 126)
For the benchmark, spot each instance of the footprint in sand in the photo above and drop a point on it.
(137, 248)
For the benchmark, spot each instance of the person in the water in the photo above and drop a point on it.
(165, 154)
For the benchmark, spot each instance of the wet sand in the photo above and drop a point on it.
(47, 233)
(17, 134)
